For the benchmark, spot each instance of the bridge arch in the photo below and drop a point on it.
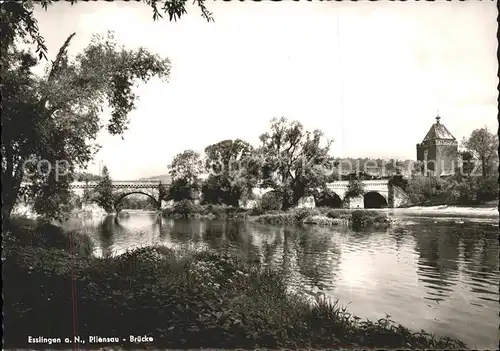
(329, 199)
(125, 194)
(373, 199)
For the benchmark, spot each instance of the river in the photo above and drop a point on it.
(435, 273)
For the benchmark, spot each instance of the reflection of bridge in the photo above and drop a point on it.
(124, 188)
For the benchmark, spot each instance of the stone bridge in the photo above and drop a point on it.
(377, 194)
(123, 188)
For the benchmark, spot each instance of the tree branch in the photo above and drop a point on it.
(59, 57)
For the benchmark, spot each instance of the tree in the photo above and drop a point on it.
(399, 181)
(355, 188)
(86, 198)
(33, 108)
(226, 156)
(466, 164)
(55, 118)
(228, 163)
(185, 170)
(104, 189)
(217, 189)
(483, 145)
(295, 162)
(86, 177)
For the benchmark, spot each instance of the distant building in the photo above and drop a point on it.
(438, 151)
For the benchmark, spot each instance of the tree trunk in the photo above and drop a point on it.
(9, 200)
(483, 167)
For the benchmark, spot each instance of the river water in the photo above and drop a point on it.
(432, 273)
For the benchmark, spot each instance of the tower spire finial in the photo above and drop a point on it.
(437, 117)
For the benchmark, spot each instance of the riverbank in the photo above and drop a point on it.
(190, 299)
(486, 211)
(90, 210)
(325, 216)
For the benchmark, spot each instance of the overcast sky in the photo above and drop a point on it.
(372, 76)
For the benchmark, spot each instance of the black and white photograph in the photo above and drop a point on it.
(212, 174)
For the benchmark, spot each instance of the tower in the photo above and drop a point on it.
(438, 151)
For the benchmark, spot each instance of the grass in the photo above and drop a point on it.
(181, 299)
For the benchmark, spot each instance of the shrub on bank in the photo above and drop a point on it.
(301, 214)
(190, 300)
(319, 216)
(336, 213)
(26, 233)
(364, 219)
(272, 201)
(293, 216)
(323, 221)
(188, 209)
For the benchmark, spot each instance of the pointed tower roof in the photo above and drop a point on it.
(438, 131)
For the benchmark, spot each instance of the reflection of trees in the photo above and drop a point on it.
(439, 248)
(398, 239)
(489, 253)
(181, 230)
(241, 237)
(289, 254)
(270, 249)
(480, 254)
(213, 236)
(315, 252)
(106, 229)
(251, 241)
(167, 225)
(480, 245)
(235, 233)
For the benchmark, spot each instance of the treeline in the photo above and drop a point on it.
(290, 160)
(86, 177)
(453, 190)
(295, 163)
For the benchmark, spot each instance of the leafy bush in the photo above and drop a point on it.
(272, 201)
(362, 219)
(186, 208)
(458, 189)
(321, 220)
(302, 213)
(29, 233)
(257, 211)
(333, 214)
(355, 188)
(223, 211)
(277, 218)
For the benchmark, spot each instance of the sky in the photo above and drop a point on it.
(371, 75)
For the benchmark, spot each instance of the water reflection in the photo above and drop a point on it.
(438, 249)
(441, 276)
(105, 232)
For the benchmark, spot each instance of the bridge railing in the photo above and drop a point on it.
(345, 183)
